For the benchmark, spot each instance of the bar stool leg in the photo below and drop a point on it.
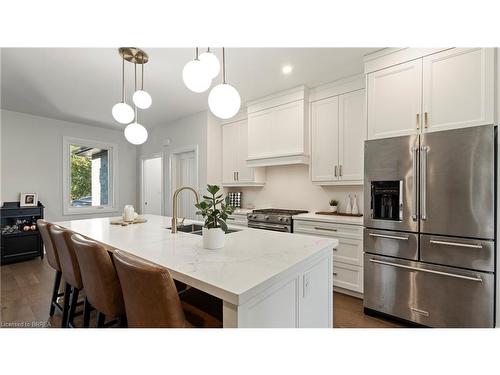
(100, 319)
(55, 292)
(72, 309)
(67, 294)
(87, 308)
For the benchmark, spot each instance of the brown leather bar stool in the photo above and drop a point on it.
(151, 299)
(53, 260)
(102, 287)
(70, 270)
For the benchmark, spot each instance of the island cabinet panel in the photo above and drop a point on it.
(235, 171)
(347, 256)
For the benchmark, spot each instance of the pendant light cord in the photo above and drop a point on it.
(123, 80)
(142, 71)
(196, 54)
(223, 65)
(135, 89)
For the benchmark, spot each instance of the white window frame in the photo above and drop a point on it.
(113, 170)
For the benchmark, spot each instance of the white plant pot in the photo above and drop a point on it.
(213, 238)
(333, 208)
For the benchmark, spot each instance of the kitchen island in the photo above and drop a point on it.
(264, 278)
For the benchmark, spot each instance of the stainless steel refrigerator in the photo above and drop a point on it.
(429, 237)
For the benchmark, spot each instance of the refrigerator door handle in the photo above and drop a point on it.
(478, 279)
(458, 244)
(414, 151)
(423, 182)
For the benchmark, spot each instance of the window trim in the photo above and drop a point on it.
(113, 170)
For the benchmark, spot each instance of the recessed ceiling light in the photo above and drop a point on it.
(287, 69)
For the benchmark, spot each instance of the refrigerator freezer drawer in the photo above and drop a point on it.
(458, 252)
(433, 296)
(394, 244)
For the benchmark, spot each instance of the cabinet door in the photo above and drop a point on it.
(260, 135)
(287, 129)
(324, 139)
(394, 100)
(245, 174)
(352, 133)
(458, 88)
(229, 152)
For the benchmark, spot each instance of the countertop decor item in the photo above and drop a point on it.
(123, 223)
(355, 209)
(215, 210)
(129, 213)
(348, 208)
(334, 205)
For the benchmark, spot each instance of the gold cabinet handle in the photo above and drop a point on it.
(340, 170)
(335, 172)
(418, 121)
(426, 122)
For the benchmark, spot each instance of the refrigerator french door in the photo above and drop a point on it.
(431, 260)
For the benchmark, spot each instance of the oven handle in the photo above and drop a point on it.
(263, 226)
(436, 242)
(478, 279)
(390, 237)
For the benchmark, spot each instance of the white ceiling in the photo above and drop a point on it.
(82, 84)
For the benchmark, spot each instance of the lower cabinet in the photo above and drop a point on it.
(347, 258)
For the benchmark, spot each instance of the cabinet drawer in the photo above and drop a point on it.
(394, 244)
(328, 229)
(349, 251)
(19, 246)
(348, 277)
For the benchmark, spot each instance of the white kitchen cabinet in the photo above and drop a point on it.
(324, 139)
(442, 90)
(394, 97)
(347, 257)
(458, 88)
(278, 129)
(338, 130)
(234, 153)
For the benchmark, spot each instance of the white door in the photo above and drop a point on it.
(244, 173)
(230, 134)
(458, 88)
(152, 186)
(352, 134)
(395, 100)
(325, 139)
(185, 175)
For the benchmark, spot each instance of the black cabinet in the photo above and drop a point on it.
(17, 244)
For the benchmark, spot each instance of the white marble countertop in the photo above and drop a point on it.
(251, 261)
(330, 218)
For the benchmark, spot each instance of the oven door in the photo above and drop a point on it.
(270, 226)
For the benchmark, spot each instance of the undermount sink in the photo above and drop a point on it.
(197, 229)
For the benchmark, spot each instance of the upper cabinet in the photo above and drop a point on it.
(234, 153)
(438, 90)
(458, 88)
(338, 130)
(278, 129)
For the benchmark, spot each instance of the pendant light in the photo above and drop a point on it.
(141, 98)
(135, 133)
(195, 75)
(211, 62)
(122, 112)
(224, 100)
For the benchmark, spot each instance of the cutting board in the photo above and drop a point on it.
(137, 220)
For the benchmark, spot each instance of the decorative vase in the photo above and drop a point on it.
(128, 213)
(213, 238)
(355, 209)
(333, 208)
(348, 208)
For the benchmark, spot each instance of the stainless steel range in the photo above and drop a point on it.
(273, 219)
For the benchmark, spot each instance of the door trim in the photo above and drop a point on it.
(143, 158)
(172, 157)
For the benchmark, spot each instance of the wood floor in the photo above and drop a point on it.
(26, 287)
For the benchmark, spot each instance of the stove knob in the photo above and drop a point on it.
(280, 218)
(286, 220)
(267, 217)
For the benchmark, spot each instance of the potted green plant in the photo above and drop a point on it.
(333, 205)
(215, 210)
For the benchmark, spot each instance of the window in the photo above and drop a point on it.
(88, 176)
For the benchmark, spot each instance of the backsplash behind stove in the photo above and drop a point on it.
(290, 187)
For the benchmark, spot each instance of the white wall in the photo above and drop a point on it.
(32, 160)
(187, 131)
(290, 187)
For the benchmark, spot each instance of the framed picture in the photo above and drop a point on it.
(28, 200)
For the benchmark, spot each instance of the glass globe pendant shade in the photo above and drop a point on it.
(142, 99)
(196, 77)
(136, 133)
(123, 113)
(211, 64)
(224, 101)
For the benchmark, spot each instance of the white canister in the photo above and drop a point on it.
(213, 238)
(129, 213)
